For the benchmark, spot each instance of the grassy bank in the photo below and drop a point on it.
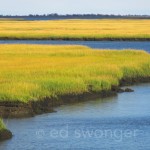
(4, 133)
(31, 72)
(104, 29)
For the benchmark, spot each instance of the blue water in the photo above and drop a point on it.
(116, 123)
(92, 44)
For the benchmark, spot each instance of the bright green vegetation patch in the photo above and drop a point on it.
(33, 72)
(2, 125)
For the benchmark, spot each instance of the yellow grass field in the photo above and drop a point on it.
(32, 72)
(108, 29)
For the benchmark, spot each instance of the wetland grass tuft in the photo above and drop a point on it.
(2, 125)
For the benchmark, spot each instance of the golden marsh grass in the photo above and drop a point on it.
(76, 29)
(32, 72)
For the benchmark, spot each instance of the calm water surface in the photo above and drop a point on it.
(116, 123)
(92, 44)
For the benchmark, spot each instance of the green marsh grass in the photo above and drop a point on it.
(2, 125)
(33, 72)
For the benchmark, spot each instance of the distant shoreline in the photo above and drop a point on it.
(76, 39)
(55, 16)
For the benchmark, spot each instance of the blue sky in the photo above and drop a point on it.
(25, 7)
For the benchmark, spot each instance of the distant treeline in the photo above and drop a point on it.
(76, 16)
